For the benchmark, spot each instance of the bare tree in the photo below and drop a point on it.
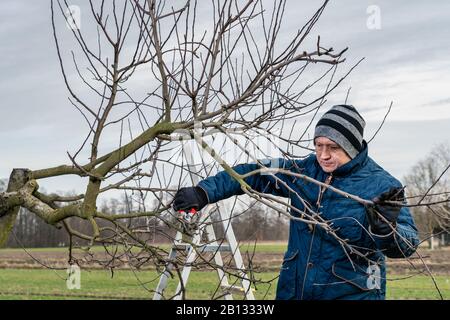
(158, 80)
(428, 185)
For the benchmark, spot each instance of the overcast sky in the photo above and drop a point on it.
(406, 61)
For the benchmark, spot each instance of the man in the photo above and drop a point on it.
(317, 265)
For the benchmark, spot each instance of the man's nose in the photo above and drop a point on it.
(325, 154)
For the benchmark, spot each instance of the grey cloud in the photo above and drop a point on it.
(441, 102)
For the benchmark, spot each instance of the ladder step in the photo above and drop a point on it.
(204, 248)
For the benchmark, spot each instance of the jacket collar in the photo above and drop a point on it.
(355, 164)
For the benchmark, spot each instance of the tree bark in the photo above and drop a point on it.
(8, 217)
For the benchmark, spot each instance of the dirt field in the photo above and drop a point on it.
(438, 261)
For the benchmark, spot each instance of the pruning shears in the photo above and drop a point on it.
(188, 216)
(189, 220)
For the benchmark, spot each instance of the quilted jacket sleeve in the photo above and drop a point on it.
(402, 243)
(222, 185)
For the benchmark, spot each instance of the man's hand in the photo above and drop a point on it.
(385, 223)
(188, 198)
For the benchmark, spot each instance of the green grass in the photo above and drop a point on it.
(97, 284)
(13, 250)
(418, 287)
(266, 247)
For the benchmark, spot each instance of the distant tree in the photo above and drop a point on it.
(260, 223)
(427, 185)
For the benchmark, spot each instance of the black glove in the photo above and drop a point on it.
(190, 197)
(389, 211)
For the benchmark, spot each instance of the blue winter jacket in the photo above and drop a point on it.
(316, 265)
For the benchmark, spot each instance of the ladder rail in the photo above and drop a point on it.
(164, 278)
(225, 217)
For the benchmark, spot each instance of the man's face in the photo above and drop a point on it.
(329, 154)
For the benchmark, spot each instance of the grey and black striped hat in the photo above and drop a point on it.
(345, 126)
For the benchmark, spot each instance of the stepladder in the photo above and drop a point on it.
(196, 238)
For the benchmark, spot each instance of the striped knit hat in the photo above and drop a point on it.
(345, 126)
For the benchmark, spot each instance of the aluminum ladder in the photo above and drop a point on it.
(205, 228)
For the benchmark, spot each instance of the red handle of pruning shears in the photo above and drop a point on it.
(193, 211)
(188, 215)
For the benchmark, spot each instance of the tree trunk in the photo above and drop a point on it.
(17, 179)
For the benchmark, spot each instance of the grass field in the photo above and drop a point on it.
(97, 284)
(32, 283)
